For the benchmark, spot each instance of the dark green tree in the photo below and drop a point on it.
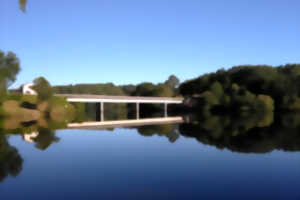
(43, 88)
(163, 90)
(145, 89)
(10, 160)
(45, 138)
(172, 81)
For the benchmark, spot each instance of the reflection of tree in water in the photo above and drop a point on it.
(33, 132)
(45, 138)
(10, 160)
(168, 130)
(248, 135)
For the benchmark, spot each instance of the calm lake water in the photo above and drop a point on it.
(151, 162)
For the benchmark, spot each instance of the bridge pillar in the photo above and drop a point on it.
(166, 110)
(101, 111)
(137, 110)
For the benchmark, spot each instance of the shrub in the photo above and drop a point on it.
(61, 110)
(43, 88)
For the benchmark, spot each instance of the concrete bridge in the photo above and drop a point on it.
(101, 99)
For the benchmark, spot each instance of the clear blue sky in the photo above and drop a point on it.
(131, 41)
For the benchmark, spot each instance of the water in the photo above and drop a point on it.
(150, 162)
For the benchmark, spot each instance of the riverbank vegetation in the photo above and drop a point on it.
(248, 133)
(254, 89)
(18, 109)
(165, 89)
(246, 88)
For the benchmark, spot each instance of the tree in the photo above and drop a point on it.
(9, 68)
(172, 81)
(43, 88)
(242, 84)
(145, 89)
(162, 90)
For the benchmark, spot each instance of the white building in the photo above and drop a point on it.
(27, 89)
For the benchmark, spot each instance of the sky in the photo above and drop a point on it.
(133, 41)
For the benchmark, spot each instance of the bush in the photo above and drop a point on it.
(43, 88)
(61, 110)
(80, 115)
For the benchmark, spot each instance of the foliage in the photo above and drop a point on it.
(292, 102)
(242, 87)
(80, 114)
(265, 103)
(247, 133)
(217, 89)
(96, 89)
(167, 130)
(45, 138)
(209, 99)
(173, 81)
(43, 88)
(145, 89)
(163, 90)
(128, 89)
(10, 160)
(9, 68)
(149, 89)
(60, 110)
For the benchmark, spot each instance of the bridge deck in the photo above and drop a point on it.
(119, 99)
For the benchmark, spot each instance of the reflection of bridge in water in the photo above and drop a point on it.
(125, 123)
(101, 99)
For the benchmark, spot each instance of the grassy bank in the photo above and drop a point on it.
(20, 110)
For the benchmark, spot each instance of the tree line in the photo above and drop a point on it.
(246, 87)
(240, 88)
(166, 89)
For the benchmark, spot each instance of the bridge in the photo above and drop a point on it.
(101, 99)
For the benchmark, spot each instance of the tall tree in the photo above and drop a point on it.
(9, 68)
(172, 81)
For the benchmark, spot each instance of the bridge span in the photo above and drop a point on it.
(87, 98)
